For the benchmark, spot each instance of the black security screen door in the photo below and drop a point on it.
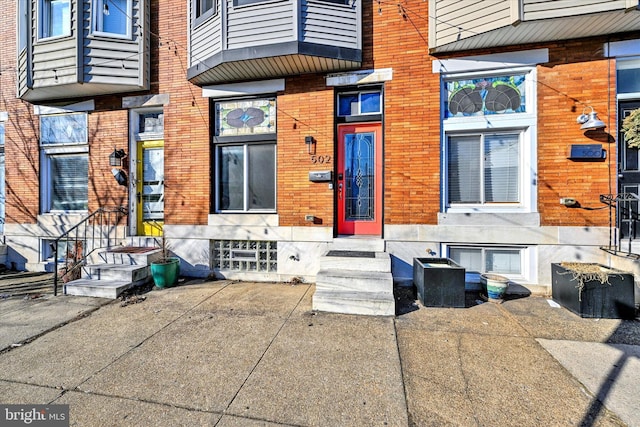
(628, 176)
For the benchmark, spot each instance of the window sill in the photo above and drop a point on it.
(52, 39)
(97, 35)
(493, 218)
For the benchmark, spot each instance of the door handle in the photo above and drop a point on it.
(139, 197)
(340, 191)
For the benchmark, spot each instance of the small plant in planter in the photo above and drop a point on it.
(631, 129)
(593, 290)
(165, 271)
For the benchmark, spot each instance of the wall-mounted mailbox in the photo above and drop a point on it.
(320, 176)
(587, 152)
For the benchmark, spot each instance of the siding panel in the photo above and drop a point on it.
(545, 9)
(456, 20)
(22, 73)
(206, 38)
(332, 24)
(260, 24)
(104, 54)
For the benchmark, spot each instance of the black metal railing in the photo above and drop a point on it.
(100, 229)
(627, 220)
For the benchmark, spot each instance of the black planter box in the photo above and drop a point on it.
(613, 300)
(439, 282)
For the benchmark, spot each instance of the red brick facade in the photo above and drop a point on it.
(576, 76)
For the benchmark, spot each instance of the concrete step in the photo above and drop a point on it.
(132, 273)
(354, 281)
(97, 288)
(131, 255)
(356, 260)
(358, 243)
(366, 303)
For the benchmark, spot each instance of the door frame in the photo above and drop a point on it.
(145, 228)
(363, 228)
(138, 134)
(621, 153)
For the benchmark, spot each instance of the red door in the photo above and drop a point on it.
(360, 179)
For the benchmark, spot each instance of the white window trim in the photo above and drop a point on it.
(134, 117)
(96, 11)
(42, 18)
(526, 123)
(67, 144)
(47, 150)
(206, 15)
(528, 262)
(45, 182)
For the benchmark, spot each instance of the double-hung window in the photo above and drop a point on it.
(245, 147)
(489, 142)
(55, 18)
(112, 18)
(484, 168)
(65, 162)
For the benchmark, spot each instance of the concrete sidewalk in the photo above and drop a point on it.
(244, 354)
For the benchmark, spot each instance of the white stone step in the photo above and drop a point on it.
(118, 257)
(131, 273)
(97, 288)
(356, 260)
(366, 303)
(354, 281)
(358, 243)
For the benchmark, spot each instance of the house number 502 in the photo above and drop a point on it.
(320, 159)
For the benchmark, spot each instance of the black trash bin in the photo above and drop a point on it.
(439, 282)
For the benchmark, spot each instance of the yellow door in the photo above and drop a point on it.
(150, 188)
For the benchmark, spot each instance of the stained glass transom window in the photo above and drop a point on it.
(485, 96)
(246, 117)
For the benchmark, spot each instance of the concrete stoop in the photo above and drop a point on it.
(112, 272)
(355, 282)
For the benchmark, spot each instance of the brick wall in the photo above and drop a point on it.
(21, 152)
(186, 137)
(305, 109)
(575, 77)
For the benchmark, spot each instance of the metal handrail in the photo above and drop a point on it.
(622, 203)
(87, 236)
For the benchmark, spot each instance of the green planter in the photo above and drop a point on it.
(165, 273)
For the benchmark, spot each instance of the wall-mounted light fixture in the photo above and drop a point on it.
(590, 121)
(115, 158)
(311, 144)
